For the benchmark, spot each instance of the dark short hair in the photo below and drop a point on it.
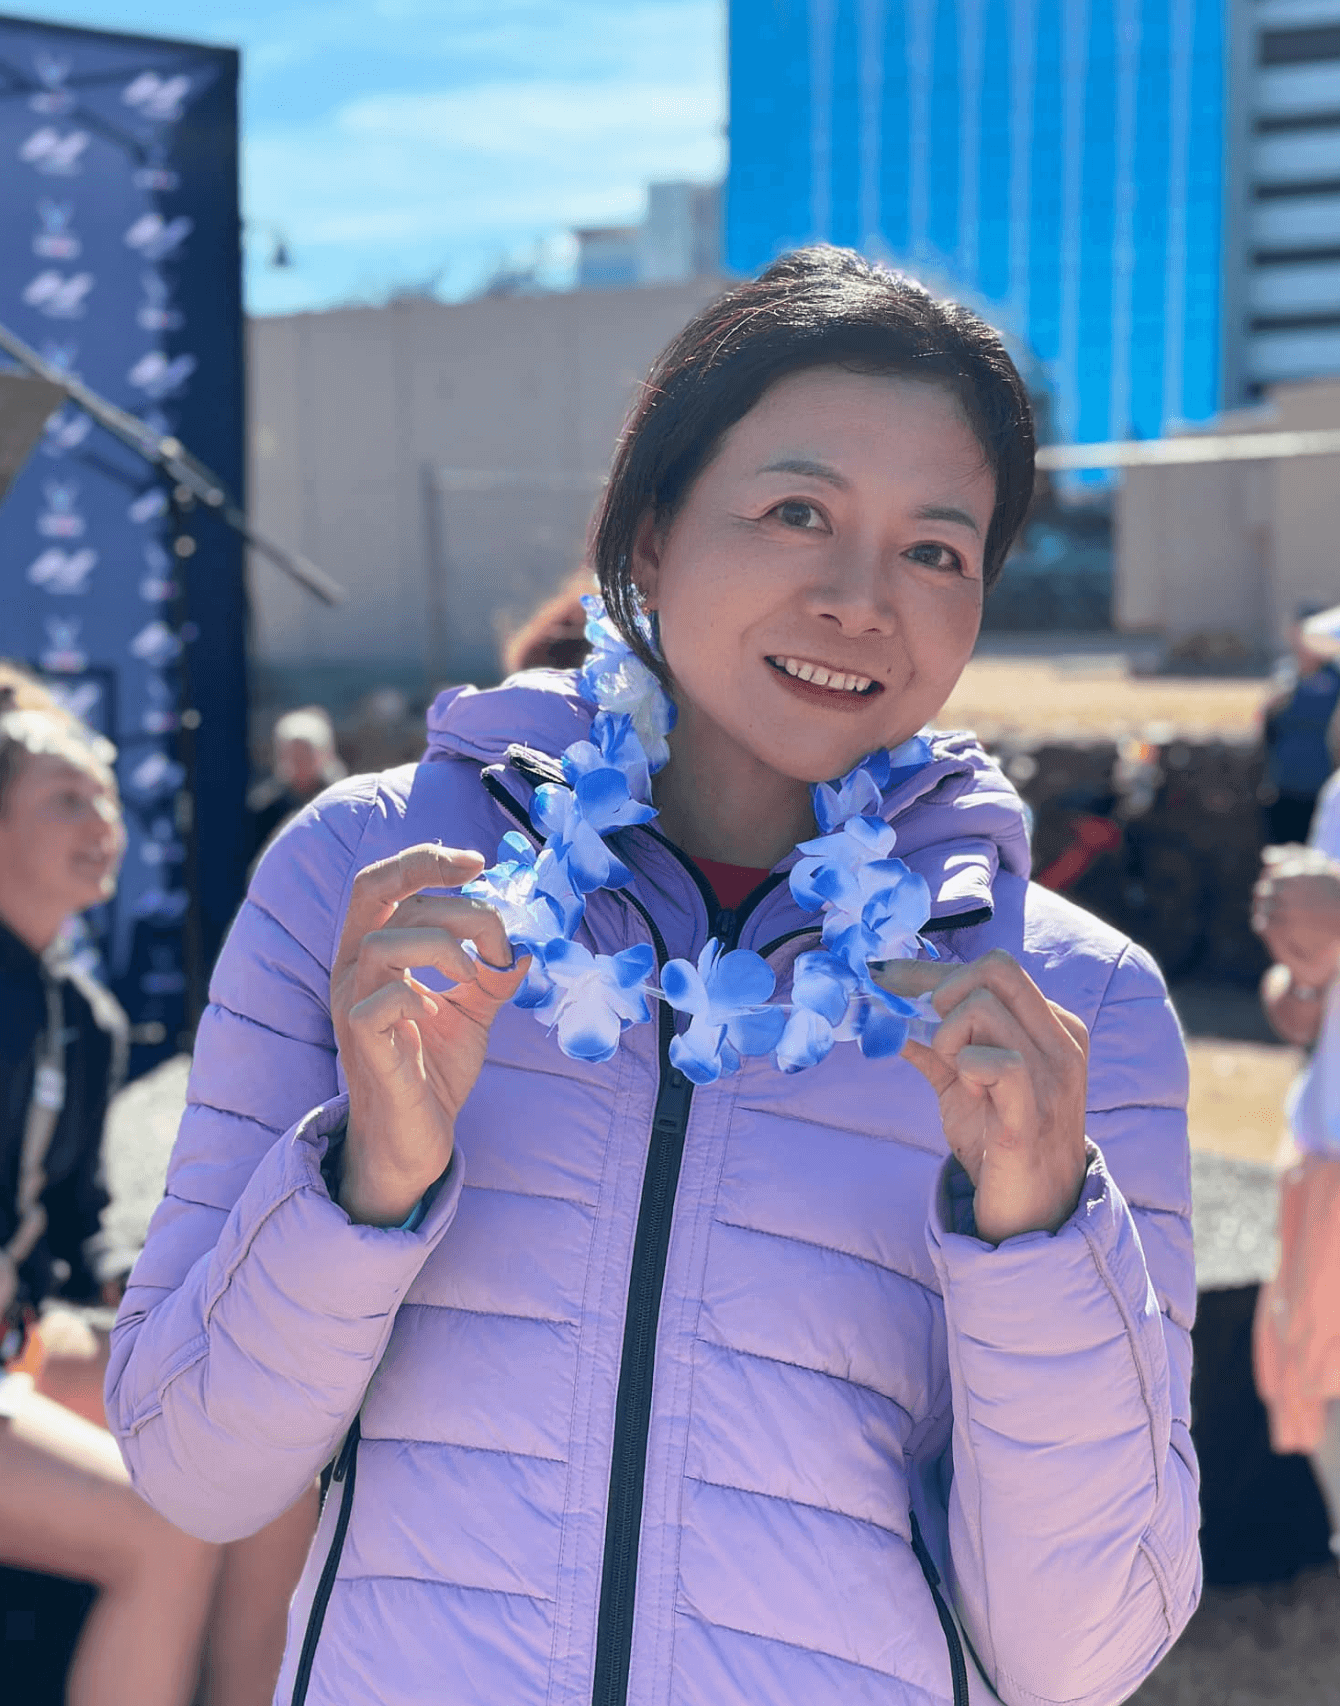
(815, 307)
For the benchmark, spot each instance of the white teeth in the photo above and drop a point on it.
(834, 680)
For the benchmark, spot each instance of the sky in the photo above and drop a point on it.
(402, 144)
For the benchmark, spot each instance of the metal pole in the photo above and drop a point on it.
(171, 457)
(182, 503)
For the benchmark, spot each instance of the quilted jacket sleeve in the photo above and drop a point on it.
(257, 1312)
(1073, 1507)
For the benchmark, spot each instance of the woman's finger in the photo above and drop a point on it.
(998, 971)
(468, 920)
(386, 1022)
(1003, 1074)
(981, 1018)
(490, 990)
(937, 1073)
(385, 955)
(911, 978)
(379, 888)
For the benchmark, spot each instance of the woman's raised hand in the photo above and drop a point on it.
(412, 1056)
(1011, 1071)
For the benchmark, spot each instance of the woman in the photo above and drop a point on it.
(654, 1376)
(66, 1508)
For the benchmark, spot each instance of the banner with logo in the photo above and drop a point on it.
(120, 263)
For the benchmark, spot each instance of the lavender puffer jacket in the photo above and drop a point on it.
(648, 1400)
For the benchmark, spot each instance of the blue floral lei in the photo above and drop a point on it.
(873, 906)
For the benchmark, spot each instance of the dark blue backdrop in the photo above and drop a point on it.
(120, 261)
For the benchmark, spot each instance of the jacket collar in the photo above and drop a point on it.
(959, 820)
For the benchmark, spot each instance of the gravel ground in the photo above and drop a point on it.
(1267, 1646)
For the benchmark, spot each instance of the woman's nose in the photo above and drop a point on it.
(852, 588)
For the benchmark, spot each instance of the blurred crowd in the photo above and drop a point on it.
(176, 1620)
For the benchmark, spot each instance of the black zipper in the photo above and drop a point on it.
(958, 1667)
(345, 1470)
(637, 1365)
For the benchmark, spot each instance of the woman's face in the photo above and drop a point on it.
(820, 588)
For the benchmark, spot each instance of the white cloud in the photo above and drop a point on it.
(393, 139)
(483, 160)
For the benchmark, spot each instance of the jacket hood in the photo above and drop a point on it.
(959, 820)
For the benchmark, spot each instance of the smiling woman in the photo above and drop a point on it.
(668, 1371)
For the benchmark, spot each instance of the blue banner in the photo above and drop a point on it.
(121, 264)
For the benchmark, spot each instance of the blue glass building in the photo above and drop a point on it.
(1058, 163)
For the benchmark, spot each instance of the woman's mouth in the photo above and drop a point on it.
(93, 865)
(822, 682)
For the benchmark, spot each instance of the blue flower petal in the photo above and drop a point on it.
(914, 754)
(683, 988)
(697, 1051)
(857, 793)
(871, 834)
(587, 860)
(740, 979)
(568, 960)
(822, 984)
(806, 1040)
(587, 1029)
(537, 989)
(518, 848)
(550, 807)
(877, 766)
(602, 795)
(758, 1032)
(803, 891)
(882, 1033)
(635, 965)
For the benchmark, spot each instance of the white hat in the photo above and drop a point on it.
(1321, 633)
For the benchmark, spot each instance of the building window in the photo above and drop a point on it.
(1300, 47)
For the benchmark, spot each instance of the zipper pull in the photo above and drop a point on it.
(726, 926)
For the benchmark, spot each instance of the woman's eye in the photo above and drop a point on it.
(937, 557)
(795, 512)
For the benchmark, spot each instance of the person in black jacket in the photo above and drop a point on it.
(1297, 721)
(66, 1506)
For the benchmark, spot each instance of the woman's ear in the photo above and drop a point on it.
(645, 566)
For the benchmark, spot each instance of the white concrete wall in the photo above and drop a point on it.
(1233, 547)
(350, 409)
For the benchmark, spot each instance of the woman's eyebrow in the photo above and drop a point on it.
(821, 471)
(947, 512)
(815, 470)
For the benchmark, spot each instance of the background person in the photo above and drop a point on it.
(664, 1376)
(303, 761)
(553, 636)
(1298, 716)
(1296, 1339)
(66, 1506)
